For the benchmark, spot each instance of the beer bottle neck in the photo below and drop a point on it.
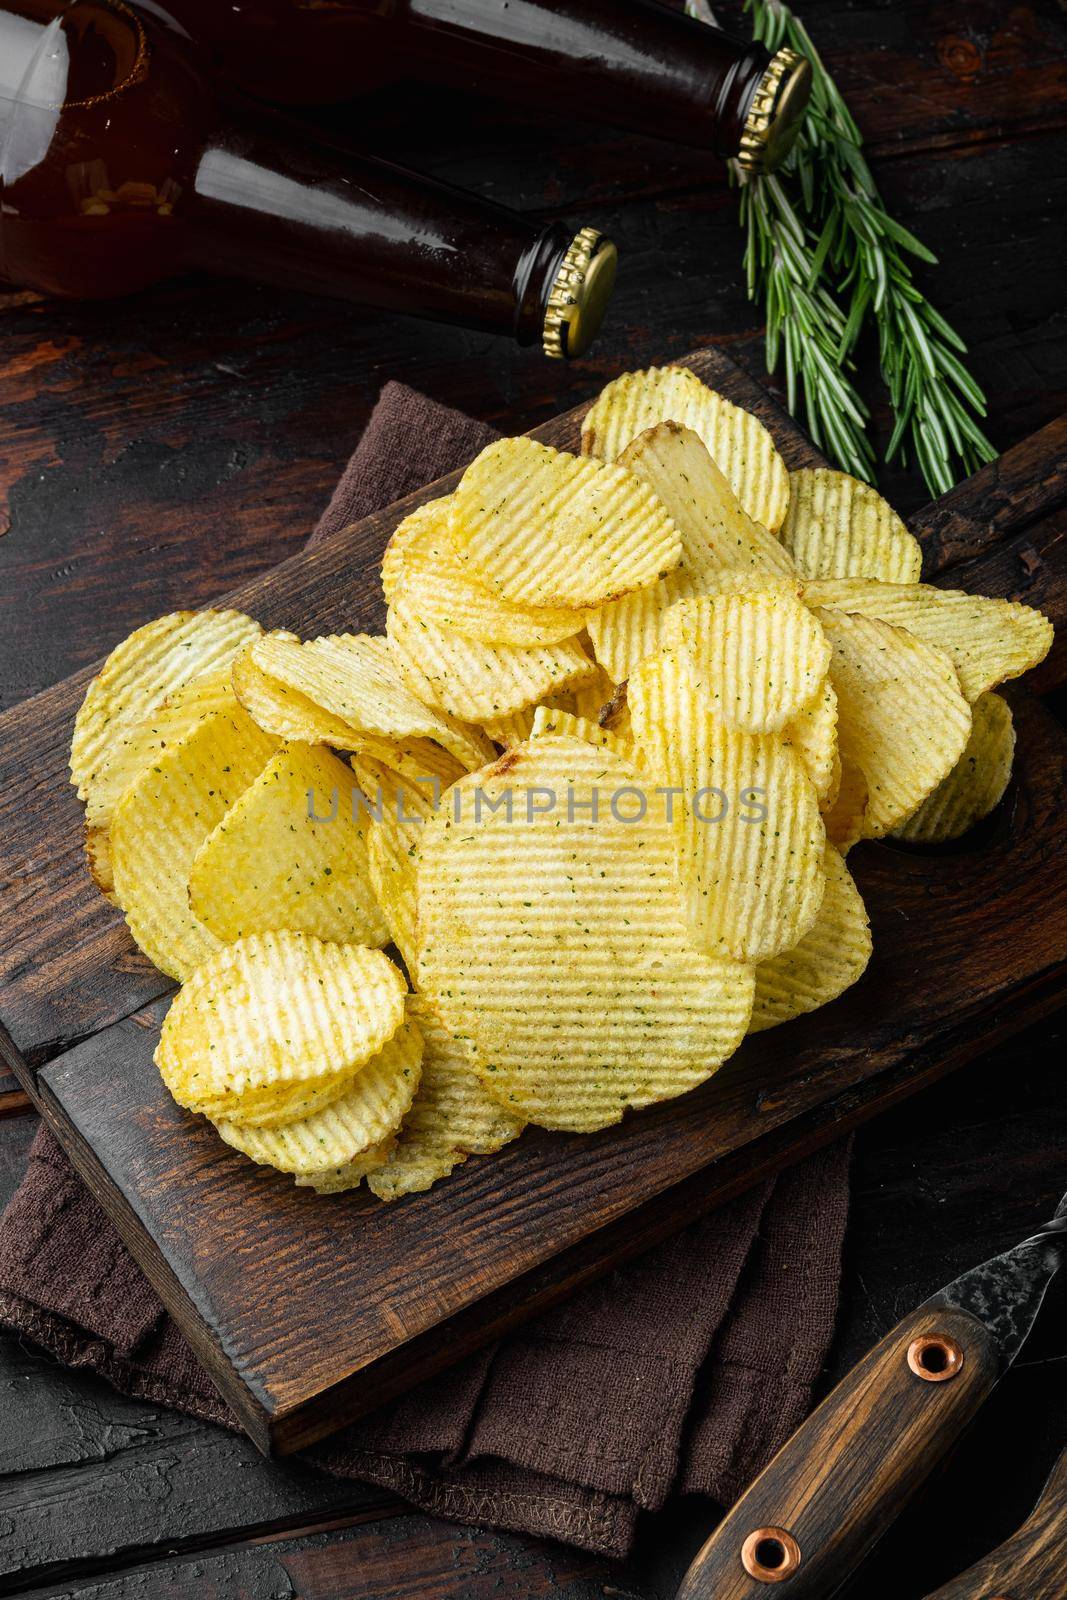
(270, 204)
(634, 63)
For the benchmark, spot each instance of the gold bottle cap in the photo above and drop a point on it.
(579, 295)
(776, 113)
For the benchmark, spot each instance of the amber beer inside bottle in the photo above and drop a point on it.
(119, 165)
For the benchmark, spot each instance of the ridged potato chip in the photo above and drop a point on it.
(988, 641)
(830, 958)
(275, 1027)
(721, 545)
(423, 537)
(341, 1179)
(717, 534)
(748, 836)
(543, 528)
(547, 721)
(400, 802)
(451, 1117)
(812, 733)
(513, 729)
(478, 682)
(738, 443)
(179, 714)
(629, 630)
(976, 783)
(365, 1114)
(280, 710)
(758, 658)
(902, 717)
(355, 679)
(290, 854)
(162, 820)
(153, 687)
(838, 527)
(845, 808)
(556, 943)
(589, 697)
(438, 585)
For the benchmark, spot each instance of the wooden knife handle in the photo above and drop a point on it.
(831, 1491)
(1032, 1564)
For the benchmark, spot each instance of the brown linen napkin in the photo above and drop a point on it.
(683, 1371)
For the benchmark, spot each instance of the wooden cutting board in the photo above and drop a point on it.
(310, 1310)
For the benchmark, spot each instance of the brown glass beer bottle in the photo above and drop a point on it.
(635, 63)
(120, 165)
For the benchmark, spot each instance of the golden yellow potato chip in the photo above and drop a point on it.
(422, 538)
(975, 784)
(555, 940)
(628, 631)
(988, 641)
(829, 959)
(275, 1027)
(547, 721)
(845, 808)
(588, 698)
(812, 733)
(838, 527)
(454, 601)
(717, 534)
(281, 710)
(721, 546)
(901, 715)
(477, 682)
(748, 836)
(439, 586)
(289, 853)
(177, 716)
(451, 1117)
(162, 820)
(366, 1113)
(543, 528)
(139, 701)
(758, 658)
(355, 683)
(738, 443)
(340, 1179)
(513, 729)
(399, 802)
(421, 759)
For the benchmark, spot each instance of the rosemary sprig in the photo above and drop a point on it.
(825, 257)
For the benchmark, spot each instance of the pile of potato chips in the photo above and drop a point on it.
(596, 786)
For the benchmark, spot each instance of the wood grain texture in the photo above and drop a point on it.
(948, 962)
(1032, 1562)
(205, 423)
(835, 1486)
(159, 450)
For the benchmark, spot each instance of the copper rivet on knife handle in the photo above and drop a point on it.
(935, 1357)
(770, 1554)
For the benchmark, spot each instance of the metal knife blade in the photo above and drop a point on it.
(1005, 1292)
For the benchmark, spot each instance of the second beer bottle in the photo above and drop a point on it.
(120, 165)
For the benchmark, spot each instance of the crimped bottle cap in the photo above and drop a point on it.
(579, 294)
(776, 112)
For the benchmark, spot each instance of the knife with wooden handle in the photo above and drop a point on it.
(1032, 1564)
(835, 1486)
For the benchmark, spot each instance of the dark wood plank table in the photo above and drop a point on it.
(156, 451)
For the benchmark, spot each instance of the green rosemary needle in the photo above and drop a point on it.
(824, 256)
